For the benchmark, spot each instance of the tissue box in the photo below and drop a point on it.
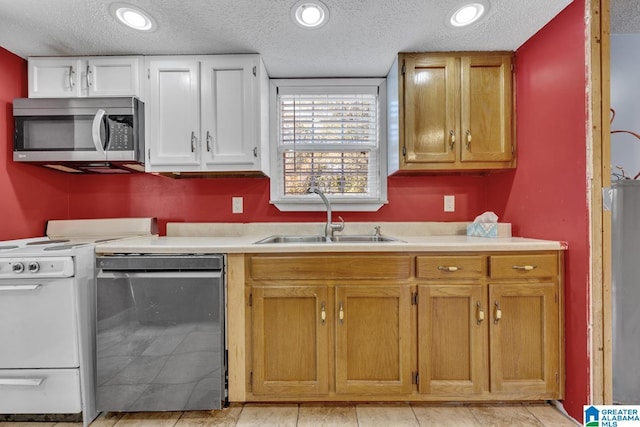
(486, 229)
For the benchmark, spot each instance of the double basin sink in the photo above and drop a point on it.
(332, 239)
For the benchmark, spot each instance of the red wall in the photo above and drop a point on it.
(209, 200)
(28, 195)
(546, 196)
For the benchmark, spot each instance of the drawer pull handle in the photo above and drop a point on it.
(452, 139)
(524, 267)
(323, 313)
(497, 314)
(341, 314)
(479, 313)
(29, 382)
(468, 139)
(20, 287)
(449, 268)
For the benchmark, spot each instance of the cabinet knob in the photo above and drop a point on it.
(479, 313)
(208, 141)
(323, 313)
(71, 73)
(523, 267)
(497, 313)
(194, 140)
(341, 314)
(450, 268)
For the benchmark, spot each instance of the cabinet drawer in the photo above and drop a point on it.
(450, 267)
(518, 266)
(39, 391)
(329, 267)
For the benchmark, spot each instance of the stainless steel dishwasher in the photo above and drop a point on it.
(160, 332)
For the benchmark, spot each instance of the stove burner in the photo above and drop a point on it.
(7, 247)
(47, 242)
(61, 247)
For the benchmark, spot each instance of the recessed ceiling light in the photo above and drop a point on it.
(467, 14)
(310, 14)
(133, 17)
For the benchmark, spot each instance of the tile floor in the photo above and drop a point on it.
(359, 415)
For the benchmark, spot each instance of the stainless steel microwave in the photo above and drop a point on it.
(99, 135)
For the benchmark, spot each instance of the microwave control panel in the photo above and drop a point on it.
(120, 133)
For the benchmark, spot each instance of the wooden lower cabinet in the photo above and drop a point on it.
(412, 327)
(451, 339)
(373, 348)
(524, 340)
(290, 340)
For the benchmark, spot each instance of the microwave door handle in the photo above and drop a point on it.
(95, 132)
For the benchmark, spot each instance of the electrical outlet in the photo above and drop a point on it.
(236, 205)
(449, 203)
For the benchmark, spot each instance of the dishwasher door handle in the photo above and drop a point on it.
(119, 274)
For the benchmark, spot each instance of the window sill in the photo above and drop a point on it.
(369, 206)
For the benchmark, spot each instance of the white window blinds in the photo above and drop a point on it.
(329, 140)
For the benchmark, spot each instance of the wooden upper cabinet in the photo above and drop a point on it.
(454, 111)
(431, 104)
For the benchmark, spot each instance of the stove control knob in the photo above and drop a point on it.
(33, 267)
(18, 267)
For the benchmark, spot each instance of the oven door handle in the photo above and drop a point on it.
(29, 382)
(20, 287)
(95, 133)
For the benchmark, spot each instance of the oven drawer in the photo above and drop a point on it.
(40, 391)
(37, 324)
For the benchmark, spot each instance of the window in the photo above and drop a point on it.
(329, 134)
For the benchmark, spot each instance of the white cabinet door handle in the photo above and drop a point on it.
(29, 382)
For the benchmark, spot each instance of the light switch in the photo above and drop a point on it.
(449, 203)
(236, 205)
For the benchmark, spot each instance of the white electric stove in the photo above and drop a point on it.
(47, 319)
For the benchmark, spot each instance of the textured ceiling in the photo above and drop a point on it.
(361, 38)
(625, 16)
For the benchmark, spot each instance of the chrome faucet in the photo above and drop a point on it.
(330, 227)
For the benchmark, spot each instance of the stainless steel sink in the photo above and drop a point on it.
(293, 239)
(322, 239)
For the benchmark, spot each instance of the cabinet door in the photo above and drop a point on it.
(431, 93)
(373, 339)
(524, 340)
(229, 104)
(54, 77)
(290, 340)
(451, 344)
(173, 114)
(486, 109)
(113, 76)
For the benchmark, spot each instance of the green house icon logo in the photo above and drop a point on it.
(591, 417)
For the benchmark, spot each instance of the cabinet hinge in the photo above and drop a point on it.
(415, 378)
(255, 151)
(250, 300)
(149, 155)
(148, 73)
(404, 68)
(414, 298)
(255, 71)
(404, 150)
(251, 378)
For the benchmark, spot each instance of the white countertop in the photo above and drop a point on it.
(241, 238)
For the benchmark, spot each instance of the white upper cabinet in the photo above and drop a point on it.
(207, 114)
(85, 76)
